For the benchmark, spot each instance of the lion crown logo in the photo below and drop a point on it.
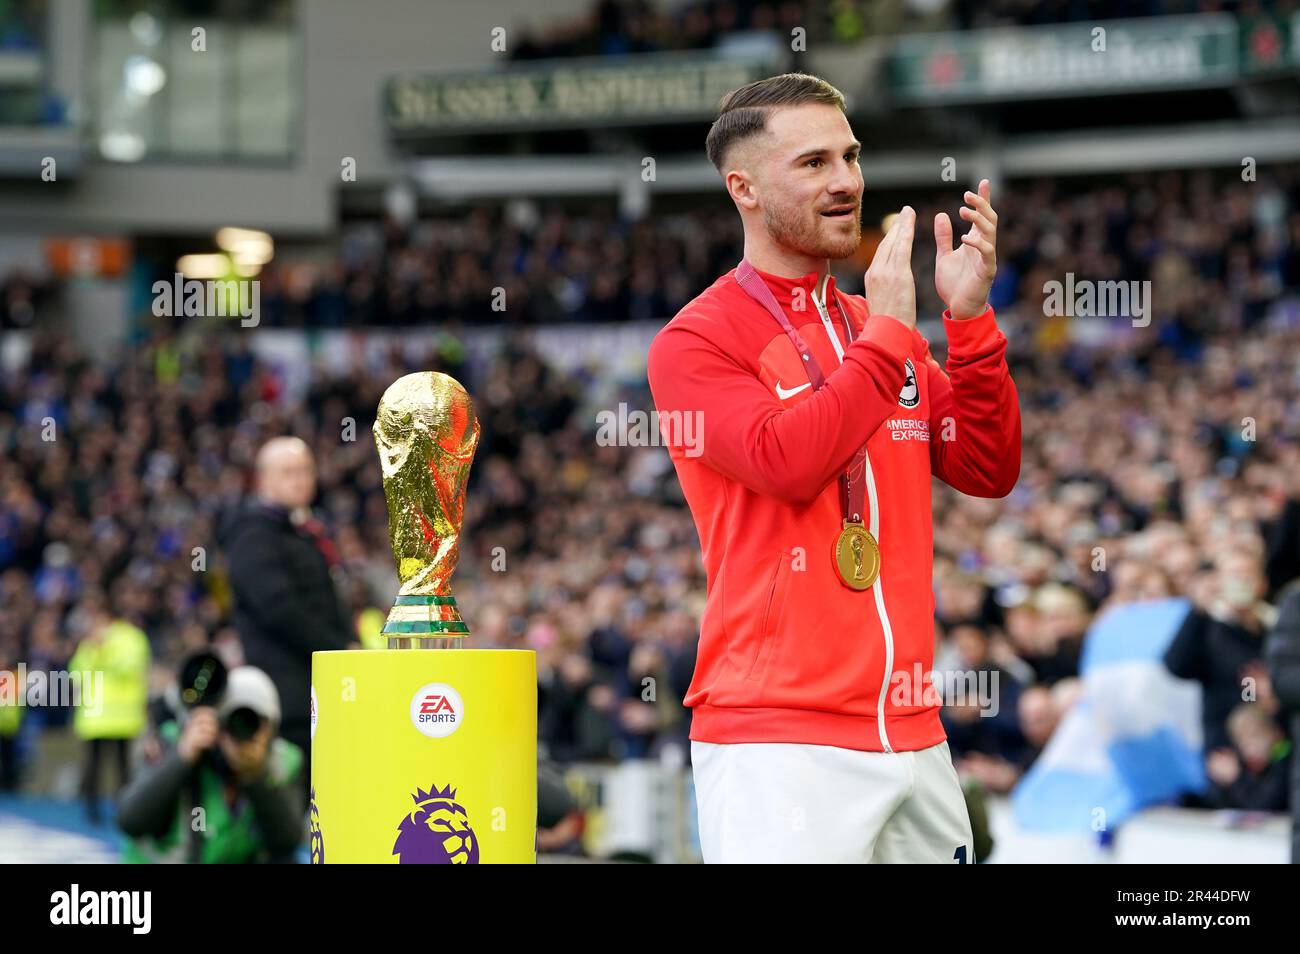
(437, 831)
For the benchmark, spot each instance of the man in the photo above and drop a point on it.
(120, 652)
(812, 737)
(1283, 654)
(11, 721)
(285, 603)
(1222, 638)
(229, 762)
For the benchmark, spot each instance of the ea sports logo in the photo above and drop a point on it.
(437, 710)
(910, 396)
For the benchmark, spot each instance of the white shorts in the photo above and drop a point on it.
(786, 802)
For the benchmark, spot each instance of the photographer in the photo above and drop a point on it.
(226, 789)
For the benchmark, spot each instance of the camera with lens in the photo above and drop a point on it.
(204, 681)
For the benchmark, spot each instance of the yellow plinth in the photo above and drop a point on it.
(424, 756)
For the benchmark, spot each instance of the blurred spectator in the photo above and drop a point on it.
(1283, 561)
(113, 657)
(576, 718)
(559, 820)
(280, 560)
(1061, 618)
(1252, 775)
(981, 698)
(1038, 712)
(11, 719)
(1283, 650)
(1221, 639)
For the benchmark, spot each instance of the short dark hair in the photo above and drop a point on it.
(743, 112)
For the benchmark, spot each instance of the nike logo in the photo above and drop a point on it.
(782, 393)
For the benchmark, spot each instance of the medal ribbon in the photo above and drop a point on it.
(852, 487)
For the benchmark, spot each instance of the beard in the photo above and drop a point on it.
(809, 233)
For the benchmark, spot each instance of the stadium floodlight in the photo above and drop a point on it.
(212, 265)
(144, 77)
(247, 247)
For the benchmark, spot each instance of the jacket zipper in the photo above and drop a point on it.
(826, 323)
(873, 506)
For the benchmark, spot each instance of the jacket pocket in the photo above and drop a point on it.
(769, 631)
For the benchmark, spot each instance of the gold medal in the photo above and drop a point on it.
(857, 557)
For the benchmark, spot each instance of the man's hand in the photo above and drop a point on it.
(891, 289)
(963, 276)
(1222, 766)
(199, 735)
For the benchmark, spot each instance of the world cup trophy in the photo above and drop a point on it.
(426, 433)
(424, 752)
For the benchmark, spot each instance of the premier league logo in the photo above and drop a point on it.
(317, 839)
(436, 832)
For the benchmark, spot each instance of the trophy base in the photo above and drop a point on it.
(424, 757)
(425, 642)
(425, 622)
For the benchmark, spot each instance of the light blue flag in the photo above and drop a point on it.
(1133, 739)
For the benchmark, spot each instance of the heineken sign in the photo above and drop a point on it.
(567, 93)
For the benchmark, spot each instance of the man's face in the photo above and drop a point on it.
(971, 645)
(1240, 580)
(290, 479)
(1037, 715)
(809, 185)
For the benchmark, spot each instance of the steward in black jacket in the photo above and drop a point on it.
(286, 606)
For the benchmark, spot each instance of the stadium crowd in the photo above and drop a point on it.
(550, 265)
(1174, 448)
(615, 27)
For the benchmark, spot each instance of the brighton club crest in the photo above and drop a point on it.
(436, 831)
(910, 396)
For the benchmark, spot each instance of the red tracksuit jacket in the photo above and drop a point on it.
(787, 652)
